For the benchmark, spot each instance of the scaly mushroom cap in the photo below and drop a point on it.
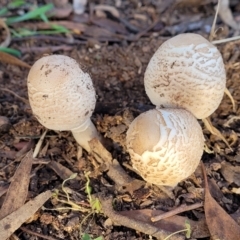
(165, 145)
(186, 71)
(61, 95)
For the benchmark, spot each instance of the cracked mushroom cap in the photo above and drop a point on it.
(61, 95)
(165, 145)
(186, 71)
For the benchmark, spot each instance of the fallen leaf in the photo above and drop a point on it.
(62, 171)
(18, 189)
(101, 34)
(13, 221)
(7, 58)
(230, 173)
(139, 225)
(220, 224)
(110, 25)
(171, 224)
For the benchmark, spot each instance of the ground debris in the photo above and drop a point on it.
(13, 221)
(18, 189)
(216, 216)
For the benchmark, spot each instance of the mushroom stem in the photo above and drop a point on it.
(85, 133)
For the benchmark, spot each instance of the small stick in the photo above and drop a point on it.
(138, 225)
(212, 34)
(39, 144)
(36, 234)
(180, 209)
(13, 93)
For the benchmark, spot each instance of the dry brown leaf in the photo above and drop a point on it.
(3, 189)
(13, 221)
(220, 224)
(110, 25)
(171, 224)
(137, 224)
(231, 173)
(99, 33)
(18, 189)
(7, 58)
(61, 171)
(140, 220)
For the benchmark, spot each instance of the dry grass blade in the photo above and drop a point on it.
(175, 211)
(231, 98)
(39, 144)
(13, 221)
(220, 224)
(7, 58)
(212, 33)
(18, 189)
(215, 131)
(7, 40)
(226, 40)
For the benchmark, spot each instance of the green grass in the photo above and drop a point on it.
(37, 13)
(11, 51)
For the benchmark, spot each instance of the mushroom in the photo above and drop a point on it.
(186, 71)
(62, 97)
(165, 145)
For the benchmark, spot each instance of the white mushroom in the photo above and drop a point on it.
(186, 71)
(165, 145)
(62, 97)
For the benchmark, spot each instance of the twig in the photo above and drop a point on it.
(50, 38)
(39, 144)
(214, 22)
(114, 169)
(15, 95)
(141, 226)
(226, 40)
(180, 209)
(37, 234)
(46, 49)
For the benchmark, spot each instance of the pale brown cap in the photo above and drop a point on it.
(61, 95)
(186, 71)
(165, 145)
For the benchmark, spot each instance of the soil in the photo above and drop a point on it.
(116, 57)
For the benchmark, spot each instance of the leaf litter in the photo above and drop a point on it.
(115, 70)
(216, 216)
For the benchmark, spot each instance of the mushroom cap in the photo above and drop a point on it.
(165, 145)
(186, 71)
(61, 95)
